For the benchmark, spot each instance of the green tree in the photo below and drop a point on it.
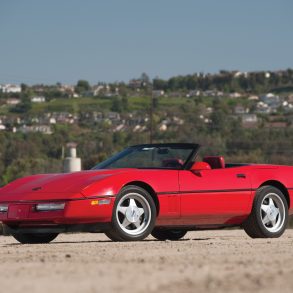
(124, 102)
(82, 86)
(117, 105)
(24, 107)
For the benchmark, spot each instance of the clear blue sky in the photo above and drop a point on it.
(110, 40)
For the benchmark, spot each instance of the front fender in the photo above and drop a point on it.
(159, 180)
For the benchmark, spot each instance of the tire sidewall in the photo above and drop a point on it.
(176, 234)
(115, 225)
(257, 206)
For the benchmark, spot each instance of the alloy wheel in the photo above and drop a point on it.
(133, 213)
(272, 212)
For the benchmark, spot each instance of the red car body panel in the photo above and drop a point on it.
(220, 197)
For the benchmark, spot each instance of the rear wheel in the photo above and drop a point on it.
(134, 215)
(269, 215)
(164, 234)
(27, 238)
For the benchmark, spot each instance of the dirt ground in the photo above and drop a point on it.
(209, 261)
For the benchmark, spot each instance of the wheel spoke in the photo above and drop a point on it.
(136, 224)
(125, 222)
(266, 219)
(271, 203)
(264, 207)
(132, 203)
(141, 211)
(122, 210)
(274, 222)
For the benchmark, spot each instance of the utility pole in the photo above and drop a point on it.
(151, 113)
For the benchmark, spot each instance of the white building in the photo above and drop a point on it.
(2, 126)
(38, 99)
(12, 101)
(249, 118)
(235, 95)
(253, 98)
(10, 88)
(45, 129)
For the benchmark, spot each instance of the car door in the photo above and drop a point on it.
(216, 196)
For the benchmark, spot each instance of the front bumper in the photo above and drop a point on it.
(90, 228)
(77, 211)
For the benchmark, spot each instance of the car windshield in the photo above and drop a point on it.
(151, 157)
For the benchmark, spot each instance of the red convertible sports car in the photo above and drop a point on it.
(158, 189)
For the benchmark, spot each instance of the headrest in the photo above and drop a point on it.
(216, 162)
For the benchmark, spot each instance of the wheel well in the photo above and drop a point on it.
(279, 186)
(149, 189)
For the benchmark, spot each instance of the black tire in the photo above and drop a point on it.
(27, 238)
(166, 234)
(254, 225)
(112, 236)
(147, 220)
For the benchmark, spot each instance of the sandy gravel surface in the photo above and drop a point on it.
(210, 261)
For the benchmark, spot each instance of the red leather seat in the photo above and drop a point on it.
(216, 162)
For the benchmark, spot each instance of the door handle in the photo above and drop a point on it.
(241, 176)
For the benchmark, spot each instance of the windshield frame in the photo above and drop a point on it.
(190, 159)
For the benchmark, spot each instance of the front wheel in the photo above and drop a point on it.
(166, 234)
(134, 215)
(269, 215)
(27, 238)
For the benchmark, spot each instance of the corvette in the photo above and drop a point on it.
(159, 189)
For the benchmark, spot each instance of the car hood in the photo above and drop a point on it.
(69, 183)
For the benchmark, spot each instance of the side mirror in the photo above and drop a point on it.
(200, 166)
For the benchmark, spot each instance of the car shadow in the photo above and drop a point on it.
(201, 239)
(108, 241)
(60, 242)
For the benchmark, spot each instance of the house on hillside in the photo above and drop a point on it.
(10, 88)
(64, 117)
(2, 126)
(45, 129)
(67, 89)
(235, 95)
(290, 98)
(271, 100)
(249, 120)
(97, 89)
(136, 83)
(237, 74)
(38, 99)
(12, 101)
(113, 116)
(253, 98)
(239, 110)
(194, 93)
(263, 108)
